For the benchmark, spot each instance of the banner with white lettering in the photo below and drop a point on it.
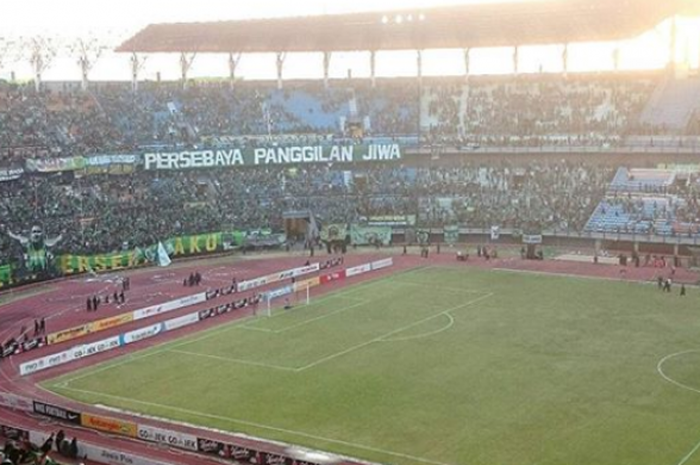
(54, 411)
(264, 156)
(167, 437)
(10, 174)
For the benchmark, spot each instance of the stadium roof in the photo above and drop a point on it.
(476, 25)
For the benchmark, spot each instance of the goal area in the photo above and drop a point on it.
(285, 299)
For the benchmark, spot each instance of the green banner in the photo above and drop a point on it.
(176, 247)
(73, 264)
(451, 234)
(56, 165)
(370, 235)
(5, 275)
(268, 156)
(392, 220)
(194, 245)
(334, 232)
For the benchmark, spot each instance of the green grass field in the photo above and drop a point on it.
(441, 366)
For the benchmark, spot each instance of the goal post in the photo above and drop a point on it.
(301, 296)
(304, 295)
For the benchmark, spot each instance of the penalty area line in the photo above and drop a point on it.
(233, 360)
(689, 455)
(660, 371)
(391, 333)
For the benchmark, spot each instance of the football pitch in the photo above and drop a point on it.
(440, 366)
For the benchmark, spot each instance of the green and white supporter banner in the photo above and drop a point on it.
(451, 234)
(370, 235)
(5, 275)
(423, 236)
(333, 232)
(175, 247)
(270, 156)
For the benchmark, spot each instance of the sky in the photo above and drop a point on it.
(66, 20)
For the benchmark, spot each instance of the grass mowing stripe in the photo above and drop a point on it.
(207, 333)
(260, 426)
(391, 333)
(233, 360)
(322, 317)
(690, 454)
(451, 322)
(549, 370)
(383, 338)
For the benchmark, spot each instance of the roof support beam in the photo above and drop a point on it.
(516, 60)
(467, 63)
(419, 65)
(326, 67)
(373, 67)
(281, 57)
(234, 59)
(137, 65)
(565, 60)
(186, 60)
(673, 45)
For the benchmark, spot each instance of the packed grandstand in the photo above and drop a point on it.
(115, 176)
(91, 167)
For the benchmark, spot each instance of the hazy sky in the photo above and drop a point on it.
(72, 18)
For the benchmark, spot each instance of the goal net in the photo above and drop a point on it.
(277, 301)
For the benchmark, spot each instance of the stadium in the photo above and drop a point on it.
(462, 234)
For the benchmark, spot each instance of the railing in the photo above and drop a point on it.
(586, 235)
(693, 149)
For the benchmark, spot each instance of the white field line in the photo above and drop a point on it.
(689, 454)
(233, 360)
(384, 338)
(261, 426)
(443, 288)
(255, 328)
(660, 370)
(426, 335)
(391, 333)
(581, 277)
(302, 323)
(321, 317)
(206, 334)
(222, 329)
(237, 435)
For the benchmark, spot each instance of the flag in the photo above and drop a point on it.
(162, 256)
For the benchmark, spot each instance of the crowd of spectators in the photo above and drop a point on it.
(538, 111)
(100, 214)
(659, 210)
(523, 111)
(104, 213)
(21, 451)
